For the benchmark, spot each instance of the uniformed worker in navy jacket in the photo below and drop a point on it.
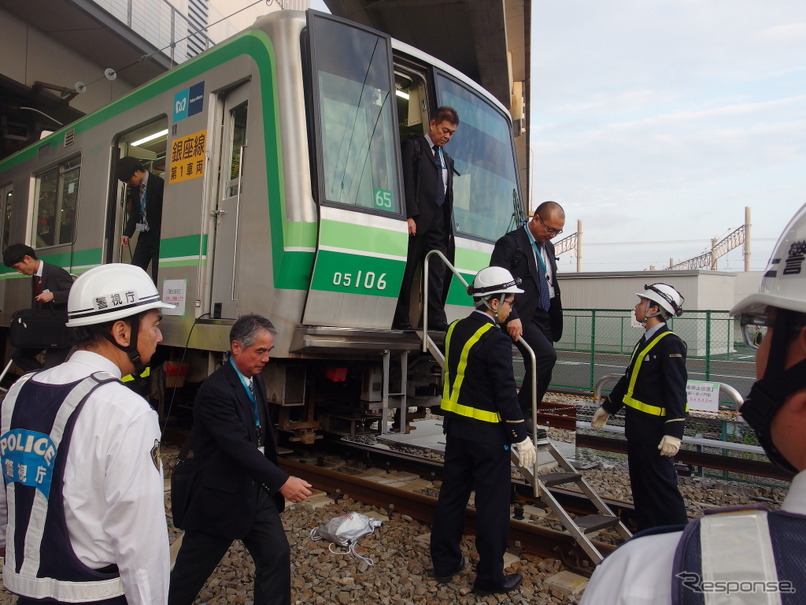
(482, 420)
(653, 394)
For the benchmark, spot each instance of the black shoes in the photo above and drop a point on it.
(401, 325)
(438, 326)
(511, 582)
(447, 578)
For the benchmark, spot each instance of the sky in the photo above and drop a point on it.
(655, 122)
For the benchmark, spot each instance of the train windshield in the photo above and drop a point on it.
(356, 126)
(486, 194)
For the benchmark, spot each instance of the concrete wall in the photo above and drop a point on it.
(613, 296)
(29, 55)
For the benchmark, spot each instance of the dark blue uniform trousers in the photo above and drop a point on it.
(485, 468)
(655, 493)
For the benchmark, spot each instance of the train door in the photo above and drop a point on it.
(227, 211)
(362, 238)
(148, 143)
(6, 205)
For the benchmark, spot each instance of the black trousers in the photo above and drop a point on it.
(435, 238)
(537, 333)
(485, 468)
(655, 493)
(147, 251)
(266, 542)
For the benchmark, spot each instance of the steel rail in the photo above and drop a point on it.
(538, 540)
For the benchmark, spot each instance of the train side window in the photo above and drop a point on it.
(56, 197)
(8, 202)
(354, 99)
(486, 197)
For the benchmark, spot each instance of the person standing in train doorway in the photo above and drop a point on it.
(759, 555)
(428, 182)
(653, 394)
(238, 491)
(144, 203)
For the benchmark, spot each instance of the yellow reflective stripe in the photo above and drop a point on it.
(631, 401)
(129, 377)
(450, 393)
(470, 412)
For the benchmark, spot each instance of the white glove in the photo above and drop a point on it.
(599, 418)
(526, 453)
(669, 445)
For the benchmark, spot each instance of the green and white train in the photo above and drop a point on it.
(280, 150)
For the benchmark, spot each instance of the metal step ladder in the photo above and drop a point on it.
(580, 527)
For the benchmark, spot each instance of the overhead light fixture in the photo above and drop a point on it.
(402, 95)
(149, 138)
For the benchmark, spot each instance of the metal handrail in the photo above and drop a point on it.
(725, 389)
(426, 338)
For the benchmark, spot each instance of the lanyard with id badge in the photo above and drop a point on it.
(249, 386)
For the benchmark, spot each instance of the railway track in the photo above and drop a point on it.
(402, 498)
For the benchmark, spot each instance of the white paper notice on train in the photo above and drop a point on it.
(703, 396)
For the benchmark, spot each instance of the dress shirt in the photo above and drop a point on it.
(114, 497)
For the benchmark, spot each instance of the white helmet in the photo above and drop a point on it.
(494, 280)
(782, 284)
(665, 296)
(111, 292)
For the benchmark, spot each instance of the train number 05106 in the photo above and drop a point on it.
(362, 280)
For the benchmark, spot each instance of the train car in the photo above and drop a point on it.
(280, 151)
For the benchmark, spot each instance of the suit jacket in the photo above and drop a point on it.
(421, 175)
(59, 282)
(661, 382)
(154, 192)
(514, 252)
(230, 469)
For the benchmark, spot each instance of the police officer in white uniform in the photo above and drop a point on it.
(83, 505)
(751, 556)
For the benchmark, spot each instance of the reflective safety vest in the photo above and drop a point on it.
(629, 400)
(767, 553)
(37, 426)
(452, 387)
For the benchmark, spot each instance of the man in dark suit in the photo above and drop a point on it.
(238, 491)
(428, 182)
(538, 314)
(144, 197)
(50, 288)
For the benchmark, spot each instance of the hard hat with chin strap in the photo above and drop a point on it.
(111, 292)
(665, 296)
(494, 280)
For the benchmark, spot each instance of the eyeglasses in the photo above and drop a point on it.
(551, 231)
(754, 329)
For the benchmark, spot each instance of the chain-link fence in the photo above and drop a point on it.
(597, 342)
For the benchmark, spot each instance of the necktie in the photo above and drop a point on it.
(545, 299)
(37, 286)
(143, 206)
(440, 199)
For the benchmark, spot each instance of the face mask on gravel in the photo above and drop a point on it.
(346, 530)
